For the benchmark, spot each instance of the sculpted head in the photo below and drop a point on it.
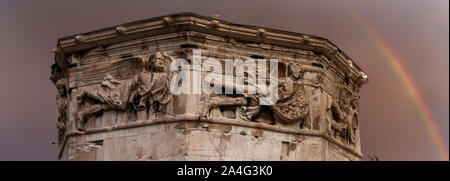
(159, 62)
(61, 86)
(355, 102)
(295, 71)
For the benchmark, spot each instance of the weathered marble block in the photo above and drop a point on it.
(114, 99)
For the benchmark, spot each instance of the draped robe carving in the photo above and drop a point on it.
(147, 87)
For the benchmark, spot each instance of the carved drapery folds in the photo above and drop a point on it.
(113, 94)
(345, 116)
(114, 91)
(290, 108)
(142, 84)
(153, 90)
(293, 105)
(149, 86)
(62, 109)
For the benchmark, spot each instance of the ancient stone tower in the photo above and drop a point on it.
(115, 100)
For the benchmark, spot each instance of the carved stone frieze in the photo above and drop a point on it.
(150, 87)
(115, 100)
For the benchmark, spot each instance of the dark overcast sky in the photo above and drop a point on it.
(417, 31)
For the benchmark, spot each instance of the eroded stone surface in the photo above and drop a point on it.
(114, 101)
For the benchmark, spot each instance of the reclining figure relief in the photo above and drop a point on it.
(291, 107)
(344, 123)
(149, 86)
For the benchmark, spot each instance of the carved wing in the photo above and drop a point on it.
(94, 74)
(127, 68)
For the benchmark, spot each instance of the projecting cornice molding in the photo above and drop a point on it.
(183, 22)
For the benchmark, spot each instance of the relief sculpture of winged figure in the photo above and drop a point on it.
(137, 82)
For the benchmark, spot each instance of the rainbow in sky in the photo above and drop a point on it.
(395, 64)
